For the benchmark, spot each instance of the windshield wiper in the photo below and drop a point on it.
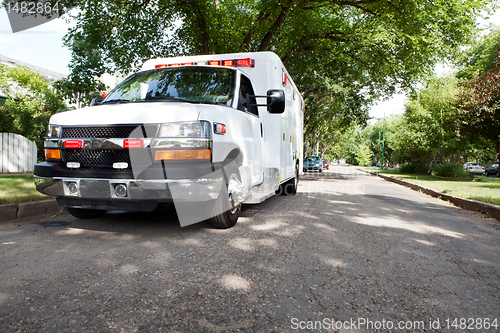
(116, 101)
(169, 99)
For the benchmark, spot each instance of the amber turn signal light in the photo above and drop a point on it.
(53, 154)
(191, 154)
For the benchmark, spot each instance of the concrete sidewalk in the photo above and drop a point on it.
(474, 205)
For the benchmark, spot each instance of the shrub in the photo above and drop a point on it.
(413, 168)
(451, 170)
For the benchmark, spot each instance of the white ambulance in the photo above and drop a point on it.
(207, 133)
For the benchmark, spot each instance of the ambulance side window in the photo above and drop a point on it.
(244, 101)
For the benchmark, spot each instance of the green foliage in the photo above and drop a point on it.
(429, 133)
(413, 168)
(348, 52)
(32, 103)
(87, 65)
(341, 54)
(374, 43)
(331, 109)
(479, 105)
(481, 57)
(376, 136)
(363, 155)
(452, 170)
(356, 150)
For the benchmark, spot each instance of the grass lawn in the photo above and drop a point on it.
(15, 189)
(483, 189)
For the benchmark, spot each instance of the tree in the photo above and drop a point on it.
(370, 44)
(479, 106)
(356, 148)
(331, 108)
(479, 100)
(360, 49)
(82, 84)
(375, 134)
(481, 57)
(32, 101)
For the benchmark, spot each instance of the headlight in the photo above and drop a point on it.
(186, 129)
(53, 131)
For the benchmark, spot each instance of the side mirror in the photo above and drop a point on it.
(276, 101)
(96, 101)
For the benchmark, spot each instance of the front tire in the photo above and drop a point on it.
(85, 214)
(292, 184)
(224, 218)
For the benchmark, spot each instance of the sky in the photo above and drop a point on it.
(42, 46)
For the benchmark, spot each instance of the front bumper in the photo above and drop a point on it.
(181, 183)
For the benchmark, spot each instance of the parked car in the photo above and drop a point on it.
(325, 165)
(474, 168)
(313, 163)
(492, 170)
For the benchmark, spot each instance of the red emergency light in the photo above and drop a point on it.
(214, 62)
(174, 65)
(219, 128)
(245, 62)
(132, 143)
(73, 144)
(233, 62)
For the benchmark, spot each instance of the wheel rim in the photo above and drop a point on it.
(235, 193)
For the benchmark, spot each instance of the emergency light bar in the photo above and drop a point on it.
(174, 65)
(234, 63)
(247, 62)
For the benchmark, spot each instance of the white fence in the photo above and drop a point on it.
(17, 153)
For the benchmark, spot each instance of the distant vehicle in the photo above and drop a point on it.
(313, 163)
(335, 162)
(474, 168)
(325, 165)
(492, 170)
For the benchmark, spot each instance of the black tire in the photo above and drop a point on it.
(320, 170)
(85, 214)
(486, 173)
(224, 218)
(290, 187)
(498, 173)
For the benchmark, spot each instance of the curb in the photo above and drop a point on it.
(474, 205)
(29, 209)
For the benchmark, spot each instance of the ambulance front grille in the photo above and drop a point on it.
(96, 158)
(109, 132)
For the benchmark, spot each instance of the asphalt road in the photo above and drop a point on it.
(349, 253)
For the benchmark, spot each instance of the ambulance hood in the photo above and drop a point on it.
(132, 113)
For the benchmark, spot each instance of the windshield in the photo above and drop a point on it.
(312, 158)
(187, 84)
